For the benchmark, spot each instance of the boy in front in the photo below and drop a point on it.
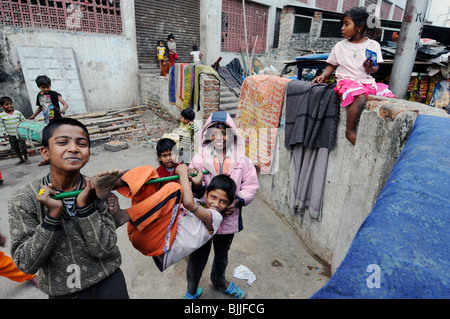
(71, 242)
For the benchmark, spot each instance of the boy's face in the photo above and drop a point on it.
(8, 107)
(166, 58)
(45, 89)
(168, 159)
(218, 138)
(183, 120)
(217, 199)
(68, 148)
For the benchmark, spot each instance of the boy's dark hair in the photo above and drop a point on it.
(225, 183)
(5, 99)
(43, 80)
(194, 47)
(188, 114)
(50, 128)
(164, 145)
(170, 36)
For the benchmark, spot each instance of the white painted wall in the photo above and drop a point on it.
(107, 63)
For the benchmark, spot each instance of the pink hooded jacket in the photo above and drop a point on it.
(241, 169)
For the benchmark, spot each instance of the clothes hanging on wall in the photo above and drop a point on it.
(312, 118)
(258, 116)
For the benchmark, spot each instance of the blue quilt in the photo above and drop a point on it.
(402, 248)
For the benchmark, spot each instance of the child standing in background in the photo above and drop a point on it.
(353, 69)
(160, 51)
(166, 150)
(172, 48)
(10, 119)
(186, 132)
(196, 55)
(165, 65)
(48, 101)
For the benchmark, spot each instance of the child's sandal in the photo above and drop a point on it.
(235, 291)
(197, 295)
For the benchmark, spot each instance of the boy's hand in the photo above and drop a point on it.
(88, 193)
(230, 208)
(182, 170)
(198, 176)
(55, 207)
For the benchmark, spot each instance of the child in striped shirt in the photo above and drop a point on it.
(10, 119)
(186, 132)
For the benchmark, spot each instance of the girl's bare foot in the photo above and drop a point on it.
(351, 136)
(106, 181)
(120, 215)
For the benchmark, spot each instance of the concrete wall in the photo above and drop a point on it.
(107, 63)
(154, 90)
(355, 176)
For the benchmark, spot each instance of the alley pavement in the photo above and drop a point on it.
(267, 246)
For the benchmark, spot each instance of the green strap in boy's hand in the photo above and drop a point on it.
(152, 181)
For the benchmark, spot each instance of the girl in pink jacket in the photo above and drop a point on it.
(221, 151)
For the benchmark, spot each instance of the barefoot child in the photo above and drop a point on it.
(71, 242)
(10, 119)
(158, 225)
(353, 69)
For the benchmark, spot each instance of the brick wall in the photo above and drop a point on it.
(209, 94)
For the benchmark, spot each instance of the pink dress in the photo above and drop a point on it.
(352, 78)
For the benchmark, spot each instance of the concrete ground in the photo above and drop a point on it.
(283, 266)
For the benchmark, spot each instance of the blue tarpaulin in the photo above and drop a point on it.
(402, 248)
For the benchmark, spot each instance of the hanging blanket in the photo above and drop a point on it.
(172, 83)
(187, 86)
(258, 116)
(178, 101)
(312, 115)
(226, 75)
(200, 68)
(182, 79)
(312, 118)
(236, 70)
